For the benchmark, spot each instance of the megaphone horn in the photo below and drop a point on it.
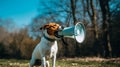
(77, 32)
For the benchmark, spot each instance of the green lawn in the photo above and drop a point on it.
(60, 63)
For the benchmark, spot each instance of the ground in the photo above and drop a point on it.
(67, 62)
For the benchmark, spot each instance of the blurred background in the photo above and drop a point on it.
(20, 21)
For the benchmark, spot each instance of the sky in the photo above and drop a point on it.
(21, 11)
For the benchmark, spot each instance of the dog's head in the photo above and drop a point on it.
(51, 28)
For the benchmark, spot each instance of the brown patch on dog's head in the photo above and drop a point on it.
(51, 28)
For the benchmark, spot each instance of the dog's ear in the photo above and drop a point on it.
(44, 27)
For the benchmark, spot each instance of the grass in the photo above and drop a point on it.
(62, 63)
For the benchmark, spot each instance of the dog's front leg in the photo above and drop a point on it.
(53, 61)
(43, 61)
(47, 64)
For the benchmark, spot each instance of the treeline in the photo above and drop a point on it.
(19, 44)
(16, 44)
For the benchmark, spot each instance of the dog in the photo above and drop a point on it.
(47, 48)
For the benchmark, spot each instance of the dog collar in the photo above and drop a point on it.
(49, 39)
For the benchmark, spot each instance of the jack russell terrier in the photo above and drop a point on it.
(47, 48)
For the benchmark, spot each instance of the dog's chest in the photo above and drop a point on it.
(49, 49)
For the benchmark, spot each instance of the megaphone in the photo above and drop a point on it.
(77, 32)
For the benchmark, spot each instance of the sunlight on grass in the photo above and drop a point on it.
(59, 63)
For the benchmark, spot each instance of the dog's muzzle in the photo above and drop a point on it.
(56, 32)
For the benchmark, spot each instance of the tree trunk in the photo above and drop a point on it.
(84, 11)
(104, 4)
(73, 6)
(93, 17)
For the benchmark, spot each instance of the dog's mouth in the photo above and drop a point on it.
(57, 35)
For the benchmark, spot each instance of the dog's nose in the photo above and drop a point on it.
(60, 28)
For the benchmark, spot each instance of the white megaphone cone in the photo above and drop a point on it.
(77, 32)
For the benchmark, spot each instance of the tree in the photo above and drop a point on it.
(114, 27)
(94, 13)
(104, 4)
(73, 7)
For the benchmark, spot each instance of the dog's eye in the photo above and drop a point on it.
(53, 27)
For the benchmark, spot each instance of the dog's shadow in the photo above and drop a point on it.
(38, 62)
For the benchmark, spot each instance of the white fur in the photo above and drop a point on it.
(44, 50)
